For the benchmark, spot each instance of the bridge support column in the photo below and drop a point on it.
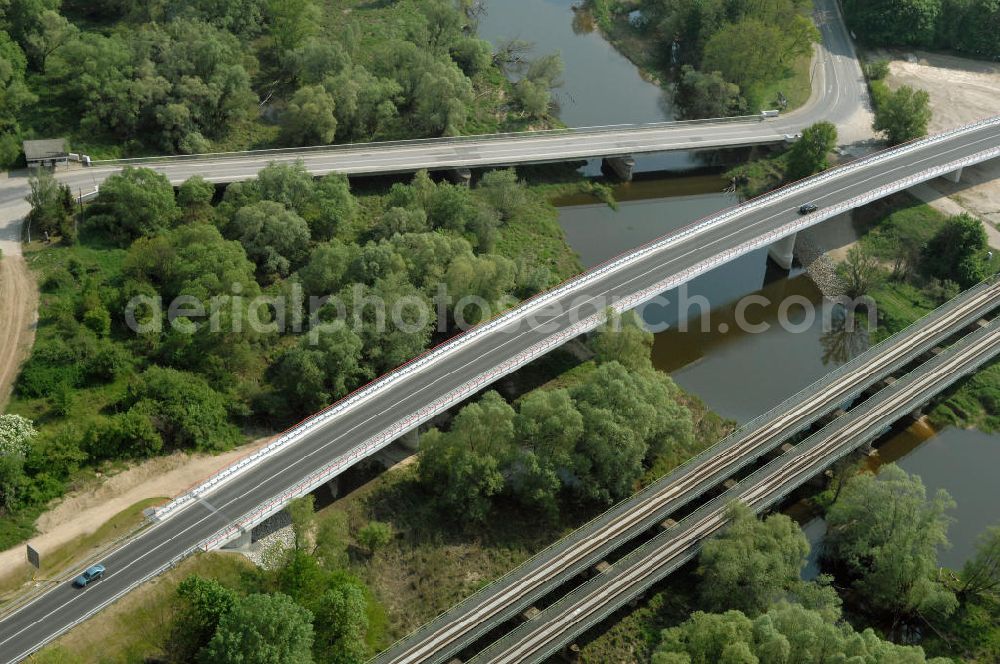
(410, 440)
(954, 176)
(622, 167)
(782, 252)
(240, 542)
(334, 485)
(460, 176)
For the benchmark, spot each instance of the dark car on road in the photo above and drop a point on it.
(807, 208)
(92, 573)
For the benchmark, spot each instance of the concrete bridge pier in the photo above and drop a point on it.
(954, 176)
(240, 542)
(622, 167)
(782, 252)
(410, 440)
(334, 485)
(459, 176)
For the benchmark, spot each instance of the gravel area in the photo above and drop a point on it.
(269, 541)
(820, 267)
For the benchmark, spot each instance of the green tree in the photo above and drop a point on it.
(901, 115)
(957, 252)
(309, 118)
(786, 633)
(463, 466)
(262, 629)
(341, 624)
(503, 192)
(275, 238)
(886, 533)
(981, 573)
(325, 272)
(809, 154)
(203, 603)
(292, 22)
(302, 512)
(51, 206)
(185, 410)
(707, 95)
(746, 53)
(138, 202)
(861, 272)
(333, 208)
(16, 436)
(195, 193)
(894, 22)
(623, 338)
(752, 563)
(374, 535)
(52, 33)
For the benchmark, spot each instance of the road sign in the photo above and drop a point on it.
(33, 557)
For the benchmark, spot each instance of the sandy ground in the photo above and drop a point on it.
(961, 91)
(82, 512)
(18, 316)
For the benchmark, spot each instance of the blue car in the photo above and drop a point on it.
(92, 573)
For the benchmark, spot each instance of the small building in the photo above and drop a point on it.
(48, 152)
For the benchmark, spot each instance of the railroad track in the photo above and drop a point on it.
(562, 621)
(449, 633)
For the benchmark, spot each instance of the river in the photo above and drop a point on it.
(738, 374)
(600, 86)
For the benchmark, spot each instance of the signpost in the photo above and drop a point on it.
(33, 557)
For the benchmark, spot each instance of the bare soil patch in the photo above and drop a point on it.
(961, 91)
(84, 511)
(18, 316)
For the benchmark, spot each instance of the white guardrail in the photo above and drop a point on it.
(423, 361)
(275, 503)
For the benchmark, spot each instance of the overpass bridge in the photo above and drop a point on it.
(464, 624)
(228, 505)
(629, 577)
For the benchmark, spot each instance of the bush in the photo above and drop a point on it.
(375, 535)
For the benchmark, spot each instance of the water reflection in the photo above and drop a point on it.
(961, 461)
(601, 86)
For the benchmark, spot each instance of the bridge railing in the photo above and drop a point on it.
(533, 304)
(439, 140)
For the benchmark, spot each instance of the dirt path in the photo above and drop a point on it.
(84, 511)
(18, 315)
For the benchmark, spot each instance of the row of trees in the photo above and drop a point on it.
(968, 26)
(590, 442)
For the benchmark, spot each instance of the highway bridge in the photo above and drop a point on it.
(471, 619)
(626, 579)
(306, 457)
